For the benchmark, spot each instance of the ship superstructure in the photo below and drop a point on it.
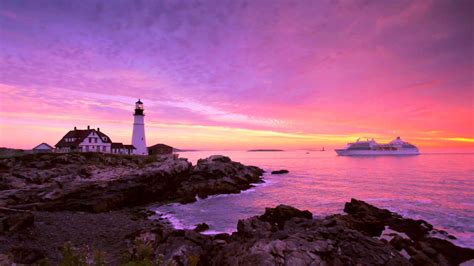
(367, 146)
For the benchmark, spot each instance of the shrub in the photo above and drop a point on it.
(150, 159)
(71, 257)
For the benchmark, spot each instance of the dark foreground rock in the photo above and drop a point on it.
(280, 172)
(413, 237)
(281, 236)
(102, 182)
(201, 227)
(287, 236)
(14, 220)
(88, 233)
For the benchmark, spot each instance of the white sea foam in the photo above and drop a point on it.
(388, 234)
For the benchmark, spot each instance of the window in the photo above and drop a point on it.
(95, 140)
(90, 140)
(87, 148)
(104, 148)
(105, 138)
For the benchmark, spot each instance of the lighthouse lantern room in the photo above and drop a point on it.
(138, 135)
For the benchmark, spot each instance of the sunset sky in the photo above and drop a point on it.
(239, 74)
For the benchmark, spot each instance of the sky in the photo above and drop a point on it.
(239, 74)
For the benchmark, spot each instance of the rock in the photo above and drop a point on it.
(282, 213)
(54, 195)
(332, 240)
(220, 158)
(418, 243)
(14, 220)
(302, 242)
(6, 259)
(279, 172)
(222, 236)
(103, 182)
(201, 227)
(453, 253)
(26, 256)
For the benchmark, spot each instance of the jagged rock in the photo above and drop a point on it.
(201, 227)
(14, 220)
(54, 195)
(332, 240)
(280, 172)
(26, 256)
(419, 244)
(282, 213)
(96, 182)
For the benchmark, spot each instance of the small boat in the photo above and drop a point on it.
(366, 146)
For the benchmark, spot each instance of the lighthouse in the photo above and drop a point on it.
(138, 135)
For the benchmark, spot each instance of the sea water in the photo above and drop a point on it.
(436, 187)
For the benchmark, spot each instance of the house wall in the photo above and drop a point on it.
(63, 150)
(118, 151)
(42, 147)
(94, 143)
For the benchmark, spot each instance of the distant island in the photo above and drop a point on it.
(263, 150)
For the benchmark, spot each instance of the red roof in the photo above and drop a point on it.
(117, 145)
(129, 147)
(159, 145)
(80, 135)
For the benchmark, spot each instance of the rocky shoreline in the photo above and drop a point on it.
(284, 235)
(95, 182)
(89, 209)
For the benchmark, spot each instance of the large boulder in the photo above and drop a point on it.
(412, 237)
(282, 213)
(218, 166)
(218, 174)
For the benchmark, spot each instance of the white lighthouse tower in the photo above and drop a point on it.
(138, 135)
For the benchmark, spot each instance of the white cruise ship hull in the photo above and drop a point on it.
(347, 152)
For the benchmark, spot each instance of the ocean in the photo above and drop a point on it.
(436, 187)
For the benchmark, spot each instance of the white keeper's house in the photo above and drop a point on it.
(91, 140)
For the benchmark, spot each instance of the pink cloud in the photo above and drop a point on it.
(292, 67)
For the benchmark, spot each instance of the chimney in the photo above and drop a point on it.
(75, 128)
(98, 129)
(88, 127)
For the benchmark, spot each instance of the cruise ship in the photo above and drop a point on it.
(366, 146)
